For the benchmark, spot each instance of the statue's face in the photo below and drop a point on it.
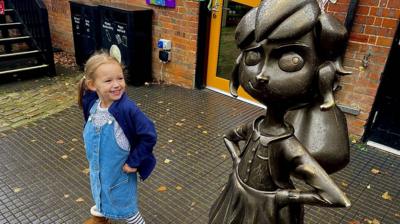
(279, 72)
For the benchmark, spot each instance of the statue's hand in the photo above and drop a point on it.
(282, 198)
(286, 196)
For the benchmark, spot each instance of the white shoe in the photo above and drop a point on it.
(95, 212)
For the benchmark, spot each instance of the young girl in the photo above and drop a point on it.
(118, 138)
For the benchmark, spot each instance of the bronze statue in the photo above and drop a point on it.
(289, 61)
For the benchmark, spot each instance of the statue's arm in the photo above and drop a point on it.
(238, 134)
(232, 138)
(306, 168)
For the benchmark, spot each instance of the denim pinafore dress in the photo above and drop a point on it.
(114, 191)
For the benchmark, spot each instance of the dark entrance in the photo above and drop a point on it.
(384, 120)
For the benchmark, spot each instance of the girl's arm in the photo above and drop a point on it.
(306, 168)
(145, 139)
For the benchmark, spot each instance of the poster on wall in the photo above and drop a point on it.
(165, 3)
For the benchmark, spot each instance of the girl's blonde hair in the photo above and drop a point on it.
(92, 64)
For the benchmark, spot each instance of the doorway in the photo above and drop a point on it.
(222, 52)
(384, 121)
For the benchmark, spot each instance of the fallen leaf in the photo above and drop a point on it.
(17, 189)
(199, 126)
(178, 187)
(79, 200)
(60, 142)
(193, 204)
(188, 154)
(86, 171)
(72, 149)
(344, 184)
(397, 215)
(386, 196)
(204, 132)
(369, 186)
(162, 189)
(160, 102)
(74, 140)
(179, 124)
(170, 140)
(375, 171)
(167, 109)
(64, 157)
(33, 140)
(167, 161)
(354, 222)
(373, 221)
(183, 120)
(223, 156)
(66, 195)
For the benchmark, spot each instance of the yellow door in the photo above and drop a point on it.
(223, 52)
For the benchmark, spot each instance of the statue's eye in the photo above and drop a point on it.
(252, 57)
(291, 62)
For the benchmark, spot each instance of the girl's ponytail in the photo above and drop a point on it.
(81, 90)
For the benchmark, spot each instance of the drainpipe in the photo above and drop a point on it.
(348, 23)
(351, 13)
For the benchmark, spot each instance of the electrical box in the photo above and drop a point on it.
(164, 44)
(164, 56)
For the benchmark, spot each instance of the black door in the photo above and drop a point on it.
(384, 119)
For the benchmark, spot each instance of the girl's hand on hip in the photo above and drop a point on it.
(127, 169)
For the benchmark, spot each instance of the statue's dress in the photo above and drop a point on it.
(242, 201)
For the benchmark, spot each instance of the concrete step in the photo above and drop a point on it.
(10, 25)
(18, 70)
(9, 40)
(8, 10)
(19, 54)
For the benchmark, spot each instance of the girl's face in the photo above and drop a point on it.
(109, 83)
(279, 72)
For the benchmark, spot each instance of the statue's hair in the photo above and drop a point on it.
(277, 19)
(288, 19)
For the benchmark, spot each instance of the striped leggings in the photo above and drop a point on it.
(136, 219)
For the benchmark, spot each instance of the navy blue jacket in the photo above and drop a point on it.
(138, 129)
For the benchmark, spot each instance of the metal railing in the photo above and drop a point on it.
(33, 14)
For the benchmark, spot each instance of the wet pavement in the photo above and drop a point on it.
(44, 175)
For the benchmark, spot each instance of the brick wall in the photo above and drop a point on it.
(178, 24)
(373, 32)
